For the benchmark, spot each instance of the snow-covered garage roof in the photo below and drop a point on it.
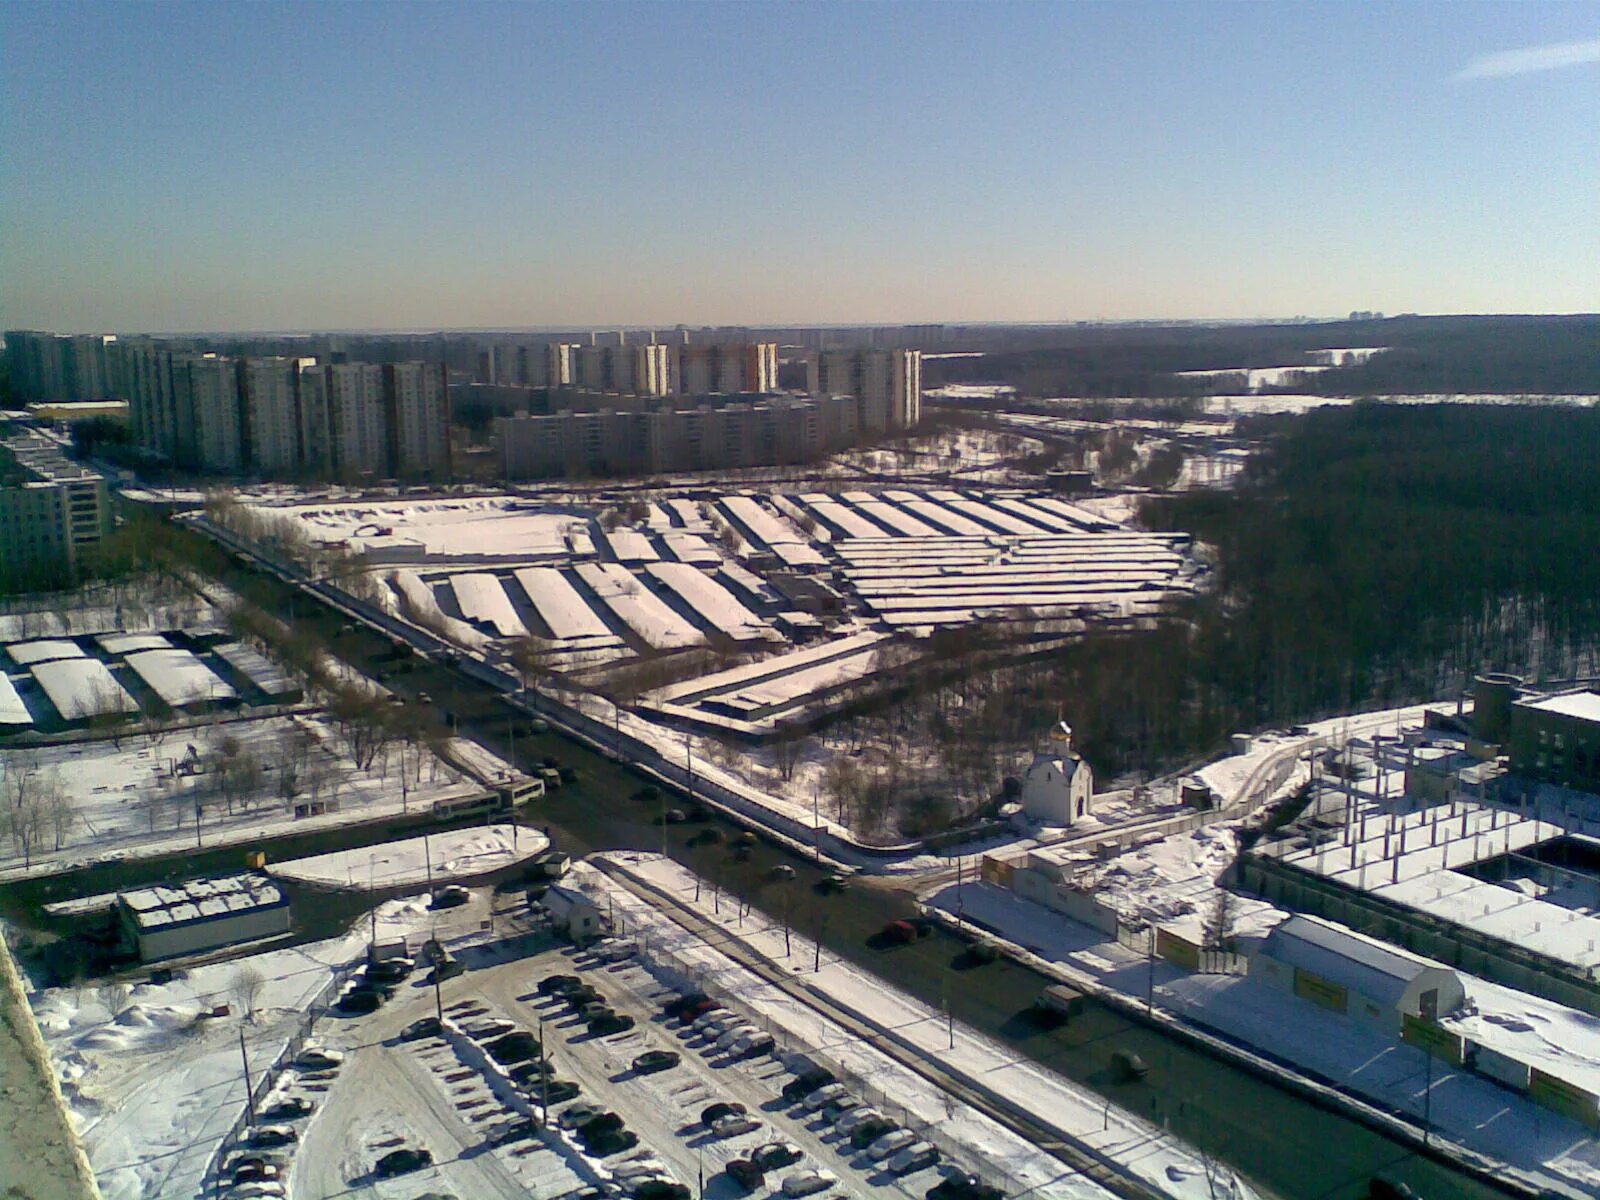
(25, 654)
(179, 678)
(82, 687)
(12, 710)
(200, 900)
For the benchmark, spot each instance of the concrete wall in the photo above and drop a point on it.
(249, 926)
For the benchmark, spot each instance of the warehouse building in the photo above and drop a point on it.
(202, 914)
(1367, 980)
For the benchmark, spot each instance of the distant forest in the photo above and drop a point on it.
(1511, 355)
(1371, 555)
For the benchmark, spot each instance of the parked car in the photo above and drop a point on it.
(733, 1125)
(516, 1131)
(914, 1157)
(962, 1185)
(273, 1135)
(1129, 1065)
(805, 1183)
(848, 1123)
(869, 1131)
(727, 1039)
(660, 1189)
(250, 1169)
(902, 933)
(557, 1091)
(553, 985)
(402, 1162)
(639, 1168)
(679, 1007)
(290, 1108)
(426, 1027)
(577, 997)
(781, 871)
(516, 1046)
(652, 1061)
(606, 1025)
(890, 1143)
(615, 951)
(710, 1017)
(835, 1109)
(745, 1173)
(752, 1045)
(390, 970)
(315, 1058)
(601, 1122)
(722, 1108)
(807, 1082)
(492, 1027)
(452, 895)
(615, 1141)
(358, 1001)
(256, 1189)
(531, 1072)
(578, 1116)
(444, 968)
(824, 1095)
(776, 1154)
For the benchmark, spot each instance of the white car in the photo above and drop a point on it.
(734, 1034)
(315, 1058)
(733, 1125)
(613, 952)
(807, 1182)
(752, 1043)
(639, 1168)
(913, 1158)
(707, 1019)
(824, 1095)
(855, 1117)
(715, 1029)
(890, 1143)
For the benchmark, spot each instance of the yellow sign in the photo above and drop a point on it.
(1321, 991)
(1435, 1039)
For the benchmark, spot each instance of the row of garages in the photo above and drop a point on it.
(65, 682)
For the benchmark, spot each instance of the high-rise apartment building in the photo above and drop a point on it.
(53, 512)
(887, 382)
(54, 366)
(286, 416)
(530, 364)
(641, 370)
(705, 369)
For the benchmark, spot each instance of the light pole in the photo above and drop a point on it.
(249, 1091)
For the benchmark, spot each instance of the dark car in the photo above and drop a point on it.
(611, 1142)
(359, 1001)
(445, 968)
(652, 1061)
(514, 1047)
(604, 1026)
(679, 1006)
(722, 1108)
(555, 985)
(697, 1009)
(902, 933)
(806, 1082)
(962, 1185)
(1381, 1187)
(516, 1131)
(661, 1189)
(557, 1091)
(390, 970)
(869, 1131)
(776, 1154)
(531, 1072)
(582, 994)
(402, 1162)
(427, 1027)
(450, 896)
(254, 1170)
(602, 1122)
(745, 1173)
(578, 1116)
(594, 1010)
(273, 1135)
(288, 1109)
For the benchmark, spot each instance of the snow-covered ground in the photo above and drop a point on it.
(449, 854)
(134, 796)
(1078, 1115)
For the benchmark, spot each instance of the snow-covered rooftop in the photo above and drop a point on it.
(25, 654)
(1584, 705)
(179, 678)
(82, 687)
(1376, 970)
(201, 899)
(12, 710)
(117, 644)
(257, 668)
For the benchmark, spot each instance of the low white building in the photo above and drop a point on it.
(1370, 981)
(1058, 786)
(573, 913)
(202, 914)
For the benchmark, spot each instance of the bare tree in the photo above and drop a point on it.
(114, 994)
(57, 804)
(25, 822)
(245, 989)
(788, 742)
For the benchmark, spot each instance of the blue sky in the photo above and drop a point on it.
(264, 166)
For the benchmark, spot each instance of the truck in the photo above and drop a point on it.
(1059, 1001)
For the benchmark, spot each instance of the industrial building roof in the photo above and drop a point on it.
(1584, 705)
(1375, 970)
(200, 900)
(179, 678)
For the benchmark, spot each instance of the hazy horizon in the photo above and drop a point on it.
(226, 168)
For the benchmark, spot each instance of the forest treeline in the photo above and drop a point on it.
(1519, 355)
(1370, 555)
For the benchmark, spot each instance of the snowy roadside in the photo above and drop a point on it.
(1079, 1116)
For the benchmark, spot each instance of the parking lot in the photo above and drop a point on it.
(441, 1091)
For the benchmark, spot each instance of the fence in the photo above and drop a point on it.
(268, 1079)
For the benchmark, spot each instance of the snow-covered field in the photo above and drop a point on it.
(136, 795)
